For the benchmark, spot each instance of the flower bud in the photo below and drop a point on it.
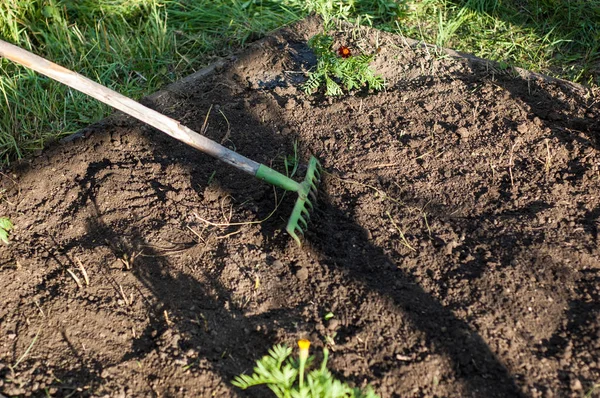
(304, 345)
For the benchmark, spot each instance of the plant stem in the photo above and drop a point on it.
(301, 371)
(304, 345)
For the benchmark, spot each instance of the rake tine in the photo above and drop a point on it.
(303, 222)
(310, 205)
(307, 197)
(306, 213)
(295, 237)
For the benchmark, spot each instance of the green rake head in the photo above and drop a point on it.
(298, 221)
(307, 194)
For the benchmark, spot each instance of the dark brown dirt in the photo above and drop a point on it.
(456, 239)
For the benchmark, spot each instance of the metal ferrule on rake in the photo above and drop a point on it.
(307, 191)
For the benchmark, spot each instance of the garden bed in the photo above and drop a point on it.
(455, 241)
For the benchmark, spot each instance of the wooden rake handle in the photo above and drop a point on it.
(118, 101)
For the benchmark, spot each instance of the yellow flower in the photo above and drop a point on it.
(304, 345)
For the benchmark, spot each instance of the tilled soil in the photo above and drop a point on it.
(455, 240)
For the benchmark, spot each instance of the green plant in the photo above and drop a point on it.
(340, 69)
(291, 162)
(286, 378)
(559, 38)
(5, 226)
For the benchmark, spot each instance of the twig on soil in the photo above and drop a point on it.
(590, 153)
(548, 163)
(196, 320)
(379, 192)
(233, 224)
(165, 252)
(228, 133)
(226, 218)
(128, 260)
(39, 308)
(199, 235)
(591, 391)
(493, 170)
(402, 237)
(75, 278)
(83, 271)
(167, 320)
(225, 225)
(126, 300)
(205, 124)
(237, 231)
(161, 251)
(364, 342)
(382, 165)
(28, 349)
(228, 223)
(423, 155)
(511, 163)
(427, 224)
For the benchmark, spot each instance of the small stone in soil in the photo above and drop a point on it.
(277, 264)
(302, 274)
(463, 133)
(333, 324)
(290, 104)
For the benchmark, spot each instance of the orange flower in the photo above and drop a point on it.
(344, 52)
(304, 345)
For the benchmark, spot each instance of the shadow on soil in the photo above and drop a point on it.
(207, 324)
(194, 321)
(340, 243)
(344, 244)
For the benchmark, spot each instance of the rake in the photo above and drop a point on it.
(306, 189)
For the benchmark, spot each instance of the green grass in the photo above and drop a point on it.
(133, 46)
(137, 46)
(556, 37)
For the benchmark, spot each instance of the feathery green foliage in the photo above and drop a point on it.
(280, 373)
(336, 72)
(270, 370)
